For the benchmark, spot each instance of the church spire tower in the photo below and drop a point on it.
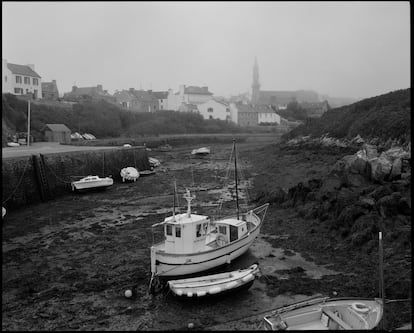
(256, 83)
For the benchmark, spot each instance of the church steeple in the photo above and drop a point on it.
(256, 83)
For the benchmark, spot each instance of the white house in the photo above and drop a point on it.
(21, 80)
(269, 116)
(213, 109)
(188, 95)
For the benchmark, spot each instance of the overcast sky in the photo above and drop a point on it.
(343, 49)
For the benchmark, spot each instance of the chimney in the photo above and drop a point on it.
(54, 82)
(99, 86)
(74, 88)
(31, 66)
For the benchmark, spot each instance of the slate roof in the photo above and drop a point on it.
(197, 90)
(57, 127)
(285, 97)
(49, 86)
(87, 91)
(254, 108)
(22, 70)
(160, 94)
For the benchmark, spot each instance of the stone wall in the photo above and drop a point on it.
(21, 187)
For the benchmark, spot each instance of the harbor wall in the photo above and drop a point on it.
(20, 181)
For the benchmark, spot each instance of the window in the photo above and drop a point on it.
(18, 79)
(222, 229)
(198, 230)
(5, 78)
(26, 80)
(168, 230)
(211, 117)
(27, 91)
(17, 90)
(35, 82)
(177, 231)
(210, 110)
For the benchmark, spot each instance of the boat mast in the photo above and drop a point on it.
(235, 176)
(175, 185)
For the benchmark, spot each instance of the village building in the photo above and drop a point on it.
(88, 94)
(21, 80)
(162, 97)
(316, 109)
(188, 107)
(189, 95)
(279, 99)
(254, 115)
(214, 109)
(57, 133)
(138, 100)
(50, 90)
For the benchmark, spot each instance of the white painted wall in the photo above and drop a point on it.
(10, 83)
(215, 110)
(268, 117)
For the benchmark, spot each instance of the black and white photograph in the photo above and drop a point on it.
(206, 165)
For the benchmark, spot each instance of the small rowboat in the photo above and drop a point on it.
(214, 284)
(201, 151)
(327, 314)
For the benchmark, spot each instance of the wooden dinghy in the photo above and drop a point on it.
(214, 284)
(327, 314)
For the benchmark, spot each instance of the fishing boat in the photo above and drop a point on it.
(91, 182)
(201, 151)
(197, 243)
(327, 314)
(215, 284)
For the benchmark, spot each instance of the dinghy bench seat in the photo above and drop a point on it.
(333, 317)
(308, 320)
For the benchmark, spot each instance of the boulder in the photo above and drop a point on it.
(396, 169)
(380, 167)
(368, 151)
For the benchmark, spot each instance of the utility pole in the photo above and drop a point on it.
(28, 123)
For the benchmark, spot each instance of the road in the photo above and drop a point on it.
(45, 148)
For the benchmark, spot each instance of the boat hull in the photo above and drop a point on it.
(101, 184)
(327, 314)
(172, 265)
(214, 285)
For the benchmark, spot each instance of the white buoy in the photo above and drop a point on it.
(190, 325)
(128, 293)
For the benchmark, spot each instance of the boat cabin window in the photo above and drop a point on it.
(168, 230)
(222, 229)
(177, 231)
(198, 230)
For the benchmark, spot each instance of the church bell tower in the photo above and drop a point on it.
(255, 84)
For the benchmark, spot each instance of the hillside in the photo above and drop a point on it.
(384, 117)
(104, 120)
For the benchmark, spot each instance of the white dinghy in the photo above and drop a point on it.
(214, 284)
(327, 314)
(201, 151)
(194, 243)
(92, 182)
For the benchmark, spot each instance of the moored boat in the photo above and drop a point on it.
(327, 314)
(201, 151)
(196, 243)
(214, 284)
(92, 182)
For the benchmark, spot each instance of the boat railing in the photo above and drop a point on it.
(299, 305)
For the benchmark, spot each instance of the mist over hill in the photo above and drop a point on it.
(384, 117)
